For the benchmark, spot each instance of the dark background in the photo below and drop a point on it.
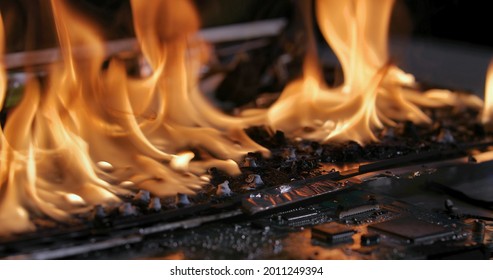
(458, 20)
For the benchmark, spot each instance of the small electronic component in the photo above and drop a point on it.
(345, 213)
(290, 194)
(332, 233)
(414, 230)
(370, 239)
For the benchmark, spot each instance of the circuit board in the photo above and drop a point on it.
(350, 224)
(382, 215)
(354, 224)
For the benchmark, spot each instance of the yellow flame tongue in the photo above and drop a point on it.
(373, 92)
(3, 75)
(85, 134)
(487, 114)
(140, 128)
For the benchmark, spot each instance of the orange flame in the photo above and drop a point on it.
(487, 114)
(187, 116)
(374, 92)
(3, 75)
(46, 167)
(86, 134)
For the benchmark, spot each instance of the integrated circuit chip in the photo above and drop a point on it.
(357, 210)
(414, 230)
(370, 239)
(332, 233)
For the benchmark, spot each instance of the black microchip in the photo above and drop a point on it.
(357, 210)
(370, 239)
(332, 233)
(414, 230)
